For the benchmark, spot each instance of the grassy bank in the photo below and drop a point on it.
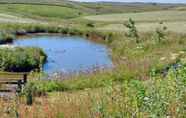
(123, 91)
(143, 82)
(156, 97)
(6, 37)
(132, 61)
(24, 29)
(15, 59)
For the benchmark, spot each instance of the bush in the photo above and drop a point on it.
(21, 59)
(21, 32)
(133, 33)
(6, 37)
(90, 25)
(160, 35)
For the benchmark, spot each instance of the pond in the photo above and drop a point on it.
(69, 54)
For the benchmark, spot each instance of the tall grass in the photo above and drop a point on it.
(156, 97)
(153, 98)
(117, 93)
(6, 37)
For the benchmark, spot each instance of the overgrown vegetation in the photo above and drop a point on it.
(143, 82)
(133, 33)
(131, 64)
(156, 97)
(160, 33)
(6, 37)
(15, 59)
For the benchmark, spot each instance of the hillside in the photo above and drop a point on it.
(100, 7)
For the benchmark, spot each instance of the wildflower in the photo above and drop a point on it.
(181, 52)
(162, 58)
(124, 58)
(146, 98)
(174, 56)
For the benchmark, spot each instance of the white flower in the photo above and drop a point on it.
(162, 58)
(174, 56)
(146, 98)
(181, 52)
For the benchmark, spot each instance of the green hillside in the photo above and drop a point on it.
(99, 8)
(41, 10)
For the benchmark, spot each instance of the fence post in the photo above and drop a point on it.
(19, 84)
(24, 79)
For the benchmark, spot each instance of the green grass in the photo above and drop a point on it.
(6, 37)
(38, 11)
(154, 16)
(21, 59)
(100, 8)
(174, 20)
(132, 61)
(117, 93)
(155, 97)
(176, 27)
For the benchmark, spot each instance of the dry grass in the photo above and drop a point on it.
(176, 27)
(132, 59)
(154, 16)
(56, 105)
(6, 18)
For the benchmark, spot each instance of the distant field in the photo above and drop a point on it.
(101, 7)
(155, 16)
(6, 18)
(177, 27)
(41, 11)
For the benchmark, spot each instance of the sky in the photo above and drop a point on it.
(159, 1)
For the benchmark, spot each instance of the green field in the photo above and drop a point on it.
(156, 16)
(177, 27)
(100, 8)
(38, 11)
(149, 75)
(146, 21)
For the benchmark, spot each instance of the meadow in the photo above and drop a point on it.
(145, 21)
(41, 11)
(144, 83)
(150, 16)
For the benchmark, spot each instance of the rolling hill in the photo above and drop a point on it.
(99, 7)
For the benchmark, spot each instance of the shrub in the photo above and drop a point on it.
(21, 59)
(159, 35)
(133, 33)
(6, 37)
(109, 38)
(21, 32)
(90, 25)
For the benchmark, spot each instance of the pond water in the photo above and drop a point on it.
(69, 54)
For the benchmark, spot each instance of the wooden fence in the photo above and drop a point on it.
(10, 82)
